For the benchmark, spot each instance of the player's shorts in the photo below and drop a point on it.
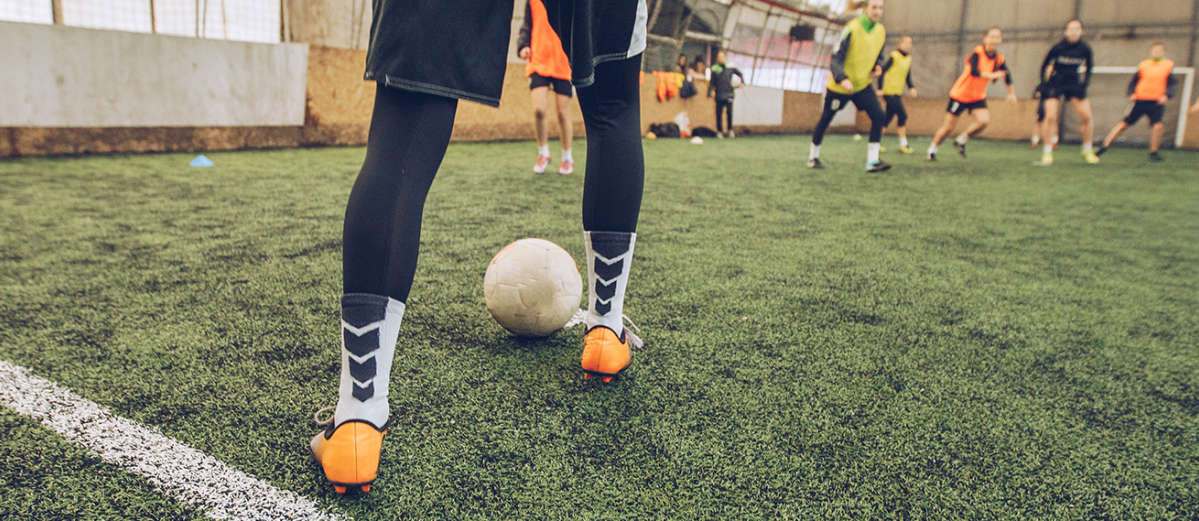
(1068, 91)
(958, 107)
(460, 49)
(895, 109)
(557, 85)
(1149, 108)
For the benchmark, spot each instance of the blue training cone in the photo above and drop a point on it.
(201, 161)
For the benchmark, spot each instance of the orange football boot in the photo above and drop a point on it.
(349, 454)
(605, 354)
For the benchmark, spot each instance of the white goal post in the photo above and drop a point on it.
(1187, 86)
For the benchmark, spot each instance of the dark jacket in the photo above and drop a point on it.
(722, 81)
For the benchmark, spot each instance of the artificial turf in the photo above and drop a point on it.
(974, 338)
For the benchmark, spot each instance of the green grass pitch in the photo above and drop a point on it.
(970, 339)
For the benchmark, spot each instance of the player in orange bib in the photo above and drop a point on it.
(969, 93)
(548, 69)
(1151, 87)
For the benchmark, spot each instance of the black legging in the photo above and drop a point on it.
(865, 99)
(408, 137)
(724, 106)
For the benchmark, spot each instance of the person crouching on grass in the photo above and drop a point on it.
(969, 92)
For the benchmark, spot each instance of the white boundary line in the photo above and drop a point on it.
(176, 469)
(1189, 73)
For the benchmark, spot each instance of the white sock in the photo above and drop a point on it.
(932, 148)
(1054, 140)
(814, 152)
(609, 255)
(1035, 140)
(1048, 148)
(566, 155)
(903, 141)
(543, 150)
(370, 326)
(962, 139)
(1087, 147)
(871, 153)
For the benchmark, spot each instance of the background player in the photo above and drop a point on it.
(722, 86)
(547, 68)
(858, 58)
(423, 60)
(1067, 73)
(969, 92)
(897, 74)
(1151, 87)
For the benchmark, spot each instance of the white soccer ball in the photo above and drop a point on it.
(735, 81)
(532, 287)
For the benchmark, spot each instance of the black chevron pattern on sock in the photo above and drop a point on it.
(602, 308)
(363, 393)
(608, 271)
(362, 372)
(360, 309)
(363, 345)
(605, 291)
(611, 244)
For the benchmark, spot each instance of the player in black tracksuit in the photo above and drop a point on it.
(1066, 72)
(722, 86)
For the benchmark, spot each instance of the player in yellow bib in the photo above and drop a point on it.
(1151, 87)
(856, 61)
(896, 79)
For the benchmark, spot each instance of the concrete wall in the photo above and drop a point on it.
(55, 76)
(342, 24)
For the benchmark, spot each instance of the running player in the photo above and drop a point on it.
(858, 57)
(1067, 74)
(424, 57)
(547, 69)
(1151, 87)
(897, 74)
(969, 92)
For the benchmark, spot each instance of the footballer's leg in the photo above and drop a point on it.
(408, 137)
(540, 128)
(833, 103)
(982, 118)
(410, 129)
(565, 129)
(1086, 124)
(867, 100)
(951, 120)
(612, 193)
(1049, 129)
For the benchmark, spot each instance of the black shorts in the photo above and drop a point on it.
(557, 85)
(1149, 108)
(1068, 90)
(895, 109)
(957, 107)
(460, 49)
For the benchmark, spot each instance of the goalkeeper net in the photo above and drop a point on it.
(1110, 104)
